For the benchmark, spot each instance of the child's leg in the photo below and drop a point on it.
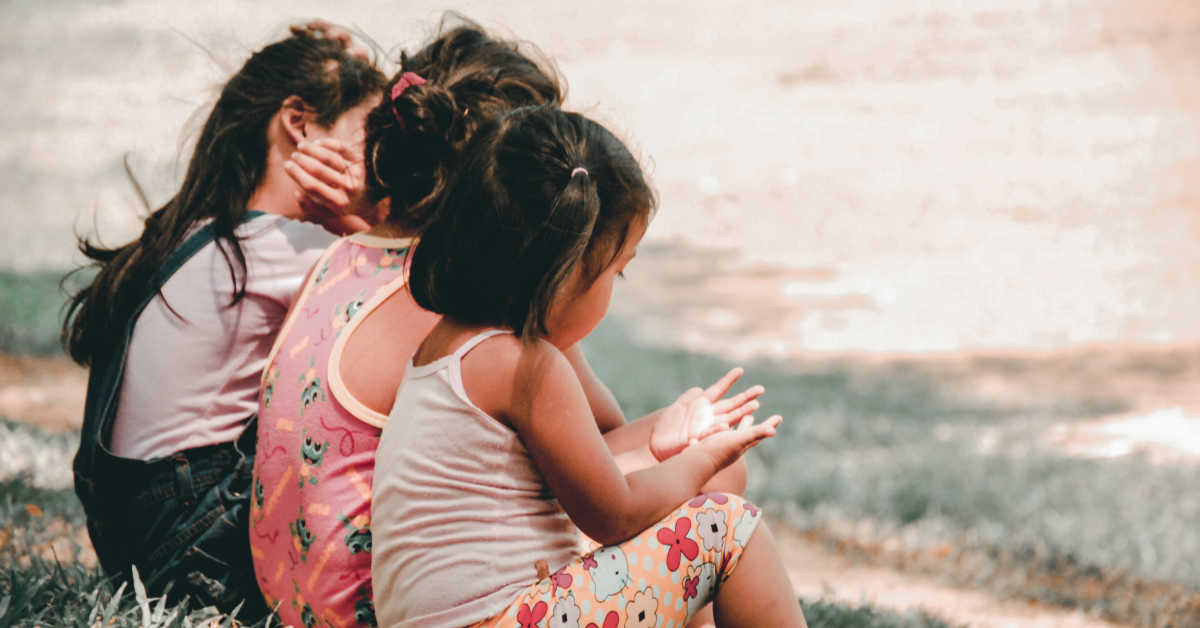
(663, 576)
(762, 580)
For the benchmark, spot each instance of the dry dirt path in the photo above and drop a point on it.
(49, 393)
(817, 572)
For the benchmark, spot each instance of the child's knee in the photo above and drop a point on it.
(723, 522)
(731, 479)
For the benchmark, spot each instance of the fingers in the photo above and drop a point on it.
(327, 172)
(740, 399)
(722, 386)
(335, 154)
(753, 434)
(317, 190)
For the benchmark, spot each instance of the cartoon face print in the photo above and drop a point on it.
(321, 273)
(642, 611)
(344, 313)
(268, 390)
(566, 613)
(359, 537)
(745, 526)
(307, 617)
(301, 537)
(364, 611)
(710, 524)
(312, 454)
(610, 573)
(312, 390)
(392, 259)
(259, 493)
(698, 586)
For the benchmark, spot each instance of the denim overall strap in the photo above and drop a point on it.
(106, 373)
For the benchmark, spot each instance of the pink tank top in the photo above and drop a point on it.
(461, 514)
(310, 534)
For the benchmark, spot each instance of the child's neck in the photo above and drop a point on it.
(445, 337)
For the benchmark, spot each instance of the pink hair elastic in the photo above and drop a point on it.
(578, 170)
(407, 80)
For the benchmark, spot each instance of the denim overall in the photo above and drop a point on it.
(182, 519)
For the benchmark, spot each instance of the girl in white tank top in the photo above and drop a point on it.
(491, 461)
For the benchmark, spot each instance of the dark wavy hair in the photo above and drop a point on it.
(226, 166)
(514, 222)
(414, 142)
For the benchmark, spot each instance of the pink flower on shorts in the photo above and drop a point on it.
(678, 542)
(563, 580)
(611, 620)
(528, 618)
(700, 500)
(689, 588)
(589, 561)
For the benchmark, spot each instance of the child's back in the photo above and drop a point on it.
(466, 508)
(492, 451)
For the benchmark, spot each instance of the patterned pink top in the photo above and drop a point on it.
(310, 517)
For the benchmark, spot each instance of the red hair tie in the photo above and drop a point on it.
(407, 80)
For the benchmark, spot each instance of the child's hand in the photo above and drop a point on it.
(726, 446)
(332, 180)
(683, 423)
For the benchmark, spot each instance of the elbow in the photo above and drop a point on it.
(611, 525)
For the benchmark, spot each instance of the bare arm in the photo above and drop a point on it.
(536, 391)
(600, 399)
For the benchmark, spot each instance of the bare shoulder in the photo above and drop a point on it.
(503, 374)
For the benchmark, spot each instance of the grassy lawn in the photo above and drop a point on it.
(894, 453)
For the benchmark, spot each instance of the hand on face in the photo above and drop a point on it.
(332, 181)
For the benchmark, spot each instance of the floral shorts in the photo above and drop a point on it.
(659, 578)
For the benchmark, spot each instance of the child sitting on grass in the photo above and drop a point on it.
(491, 460)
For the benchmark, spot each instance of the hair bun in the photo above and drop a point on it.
(427, 111)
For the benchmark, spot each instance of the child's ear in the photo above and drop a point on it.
(295, 117)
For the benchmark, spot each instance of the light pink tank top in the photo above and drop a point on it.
(310, 532)
(460, 514)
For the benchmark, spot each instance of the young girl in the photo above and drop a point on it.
(176, 326)
(491, 451)
(335, 366)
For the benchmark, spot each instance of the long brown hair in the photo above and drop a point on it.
(226, 167)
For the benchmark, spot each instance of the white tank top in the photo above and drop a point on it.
(460, 514)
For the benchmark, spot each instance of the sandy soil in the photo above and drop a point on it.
(817, 573)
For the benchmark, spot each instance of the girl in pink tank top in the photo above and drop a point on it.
(310, 531)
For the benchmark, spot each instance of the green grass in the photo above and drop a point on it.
(870, 451)
(879, 450)
(823, 613)
(42, 586)
(37, 591)
(31, 310)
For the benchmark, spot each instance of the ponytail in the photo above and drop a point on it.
(541, 197)
(415, 139)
